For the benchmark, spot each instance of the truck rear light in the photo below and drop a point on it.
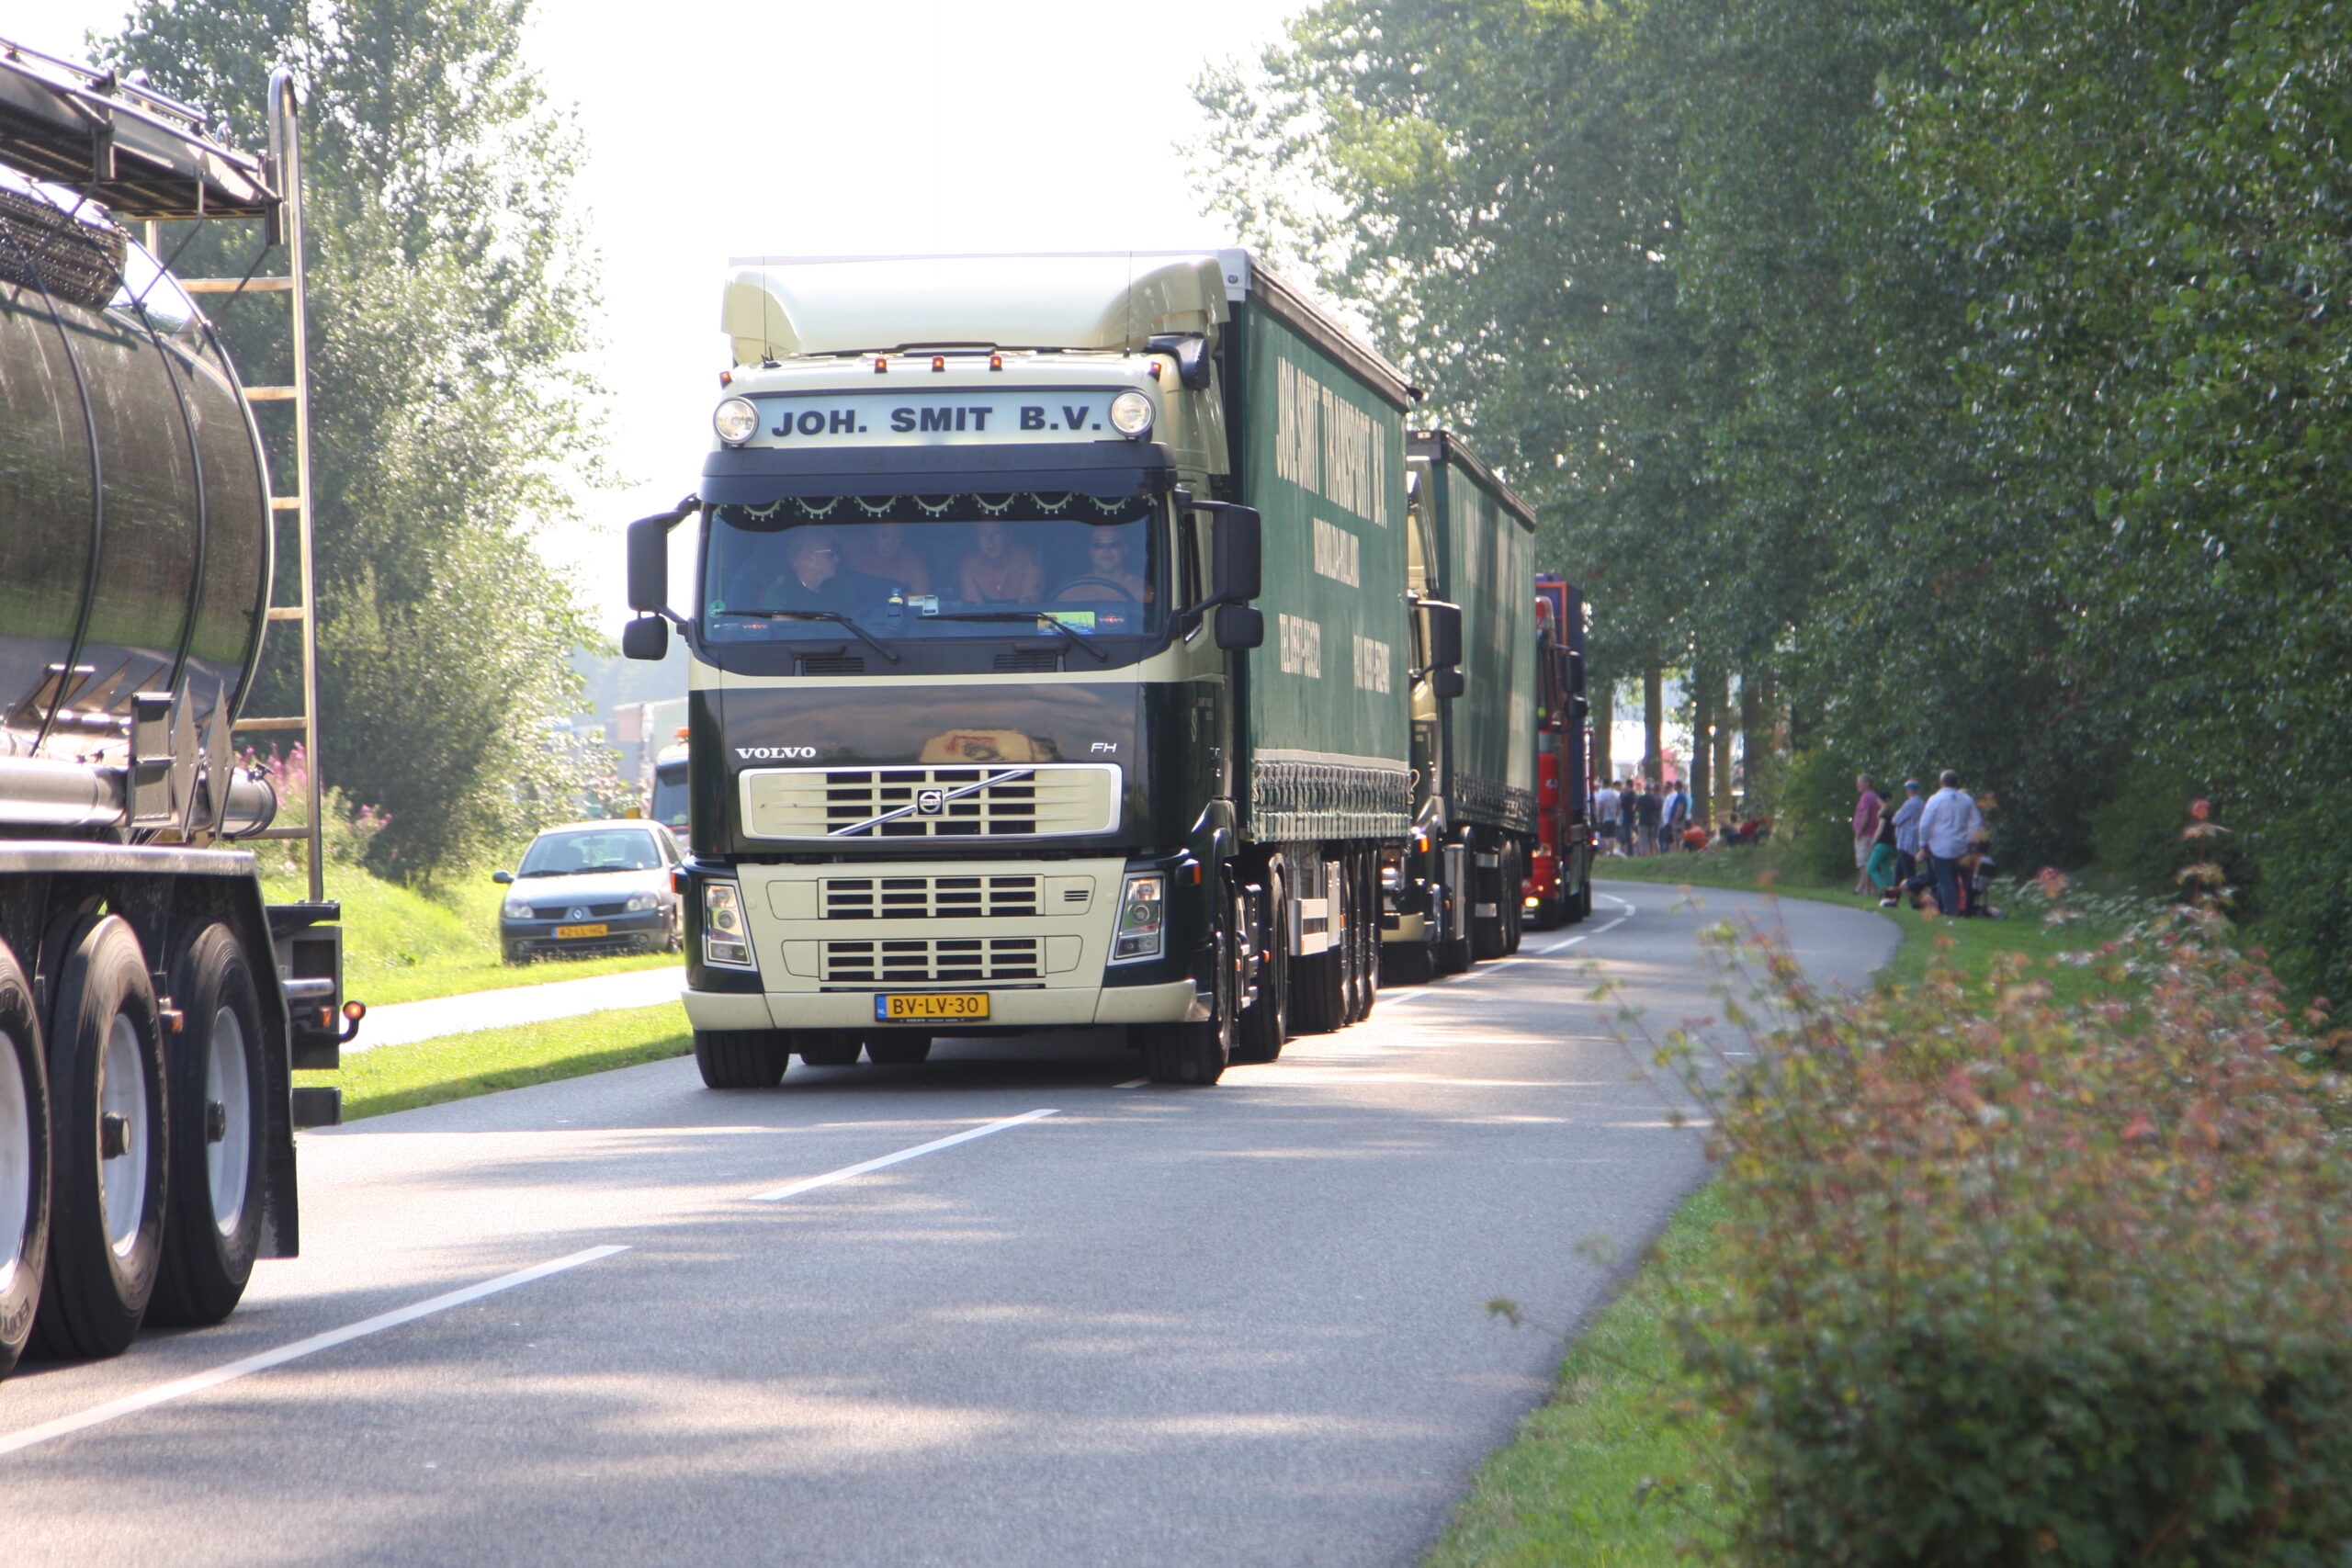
(1143, 907)
(726, 943)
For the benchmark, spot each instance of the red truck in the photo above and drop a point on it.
(1557, 890)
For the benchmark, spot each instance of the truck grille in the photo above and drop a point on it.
(928, 897)
(914, 960)
(1027, 801)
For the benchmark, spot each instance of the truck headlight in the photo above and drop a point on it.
(516, 909)
(736, 420)
(1142, 907)
(725, 942)
(641, 902)
(1131, 414)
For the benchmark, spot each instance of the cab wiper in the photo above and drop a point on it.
(835, 615)
(1071, 632)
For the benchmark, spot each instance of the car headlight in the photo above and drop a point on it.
(725, 942)
(736, 420)
(641, 902)
(516, 909)
(1142, 907)
(1131, 413)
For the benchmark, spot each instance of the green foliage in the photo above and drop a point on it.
(450, 300)
(1981, 375)
(2018, 1278)
(1814, 817)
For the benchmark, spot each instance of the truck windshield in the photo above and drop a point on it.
(920, 566)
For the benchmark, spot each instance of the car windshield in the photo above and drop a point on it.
(670, 795)
(931, 566)
(572, 854)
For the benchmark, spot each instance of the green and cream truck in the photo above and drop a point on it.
(1053, 660)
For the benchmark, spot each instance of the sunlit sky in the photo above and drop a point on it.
(789, 127)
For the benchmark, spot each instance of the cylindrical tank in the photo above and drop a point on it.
(135, 533)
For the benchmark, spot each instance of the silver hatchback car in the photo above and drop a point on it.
(592, 887)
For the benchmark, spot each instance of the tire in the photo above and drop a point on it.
(1513, 907)
(1194, 1054)
(1368, 945)
(1351, 987)
(670, 939)
(23, 1162)
(827, 1047)
(741, 1058)
(212, 1232)
(107, 1213)
(1265, 1026)
(895, 1050)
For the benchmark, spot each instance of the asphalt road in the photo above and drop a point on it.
(623, 1320)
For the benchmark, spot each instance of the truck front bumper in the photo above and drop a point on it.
(1068, 1007)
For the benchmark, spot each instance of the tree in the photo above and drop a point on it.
(450, 299)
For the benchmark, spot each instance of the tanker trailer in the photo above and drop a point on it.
(152, 1007)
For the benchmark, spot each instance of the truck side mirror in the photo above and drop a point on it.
(1239, 627)
(1238, 557)
(1444, 633)
(1447, 682)
(647, 637)
(649, 565)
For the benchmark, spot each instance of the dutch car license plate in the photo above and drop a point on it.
(562, 932)
(965, 1004)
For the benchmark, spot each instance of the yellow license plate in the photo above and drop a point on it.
(581, 931)
(959, 1005)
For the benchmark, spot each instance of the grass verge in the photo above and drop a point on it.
(459, 1066)
(1602, 1475)
(1615, 1469)
(401, 945)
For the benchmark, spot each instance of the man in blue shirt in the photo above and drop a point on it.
(1907, 833)
(1949, 824)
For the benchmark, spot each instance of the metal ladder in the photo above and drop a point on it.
(286, 168)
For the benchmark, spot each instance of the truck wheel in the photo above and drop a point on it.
(23, 1162)
(827, 1047)
(1405, 963)
(1368, 953)
(1513, 907)
(741, 1058)
(1197, 1053)
(108, 1129)
(213, 1230)
(892, 1049)
(1265, 1027)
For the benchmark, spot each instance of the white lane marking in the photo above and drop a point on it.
(1585, 936)
(1132, 1083)
(810, 1184)
(131, 1404)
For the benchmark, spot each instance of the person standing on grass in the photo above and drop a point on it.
(1673, 812)
(1906, 831)
(1950, 825)
(1645, 807)
(1605, 814)
(1867, 808)
(1886, 861)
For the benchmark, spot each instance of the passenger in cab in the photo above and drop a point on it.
(879, 550)
(998, 571)
(1107, 576)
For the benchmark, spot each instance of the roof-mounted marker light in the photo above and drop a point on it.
(881, 364)
(726, 378)
(996, 361)
(1131, 414)
(939, 362)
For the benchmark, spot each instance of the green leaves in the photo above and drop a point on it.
(451, 296)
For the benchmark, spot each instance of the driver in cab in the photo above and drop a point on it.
(1106, 577)
(812, 578)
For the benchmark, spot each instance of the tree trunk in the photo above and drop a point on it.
(1755, 738)
(1721, 692)
(1653, 724)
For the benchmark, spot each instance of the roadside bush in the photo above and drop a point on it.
(1815, 816)
(2014, 1280)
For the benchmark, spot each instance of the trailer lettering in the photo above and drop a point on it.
(1302, 646)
